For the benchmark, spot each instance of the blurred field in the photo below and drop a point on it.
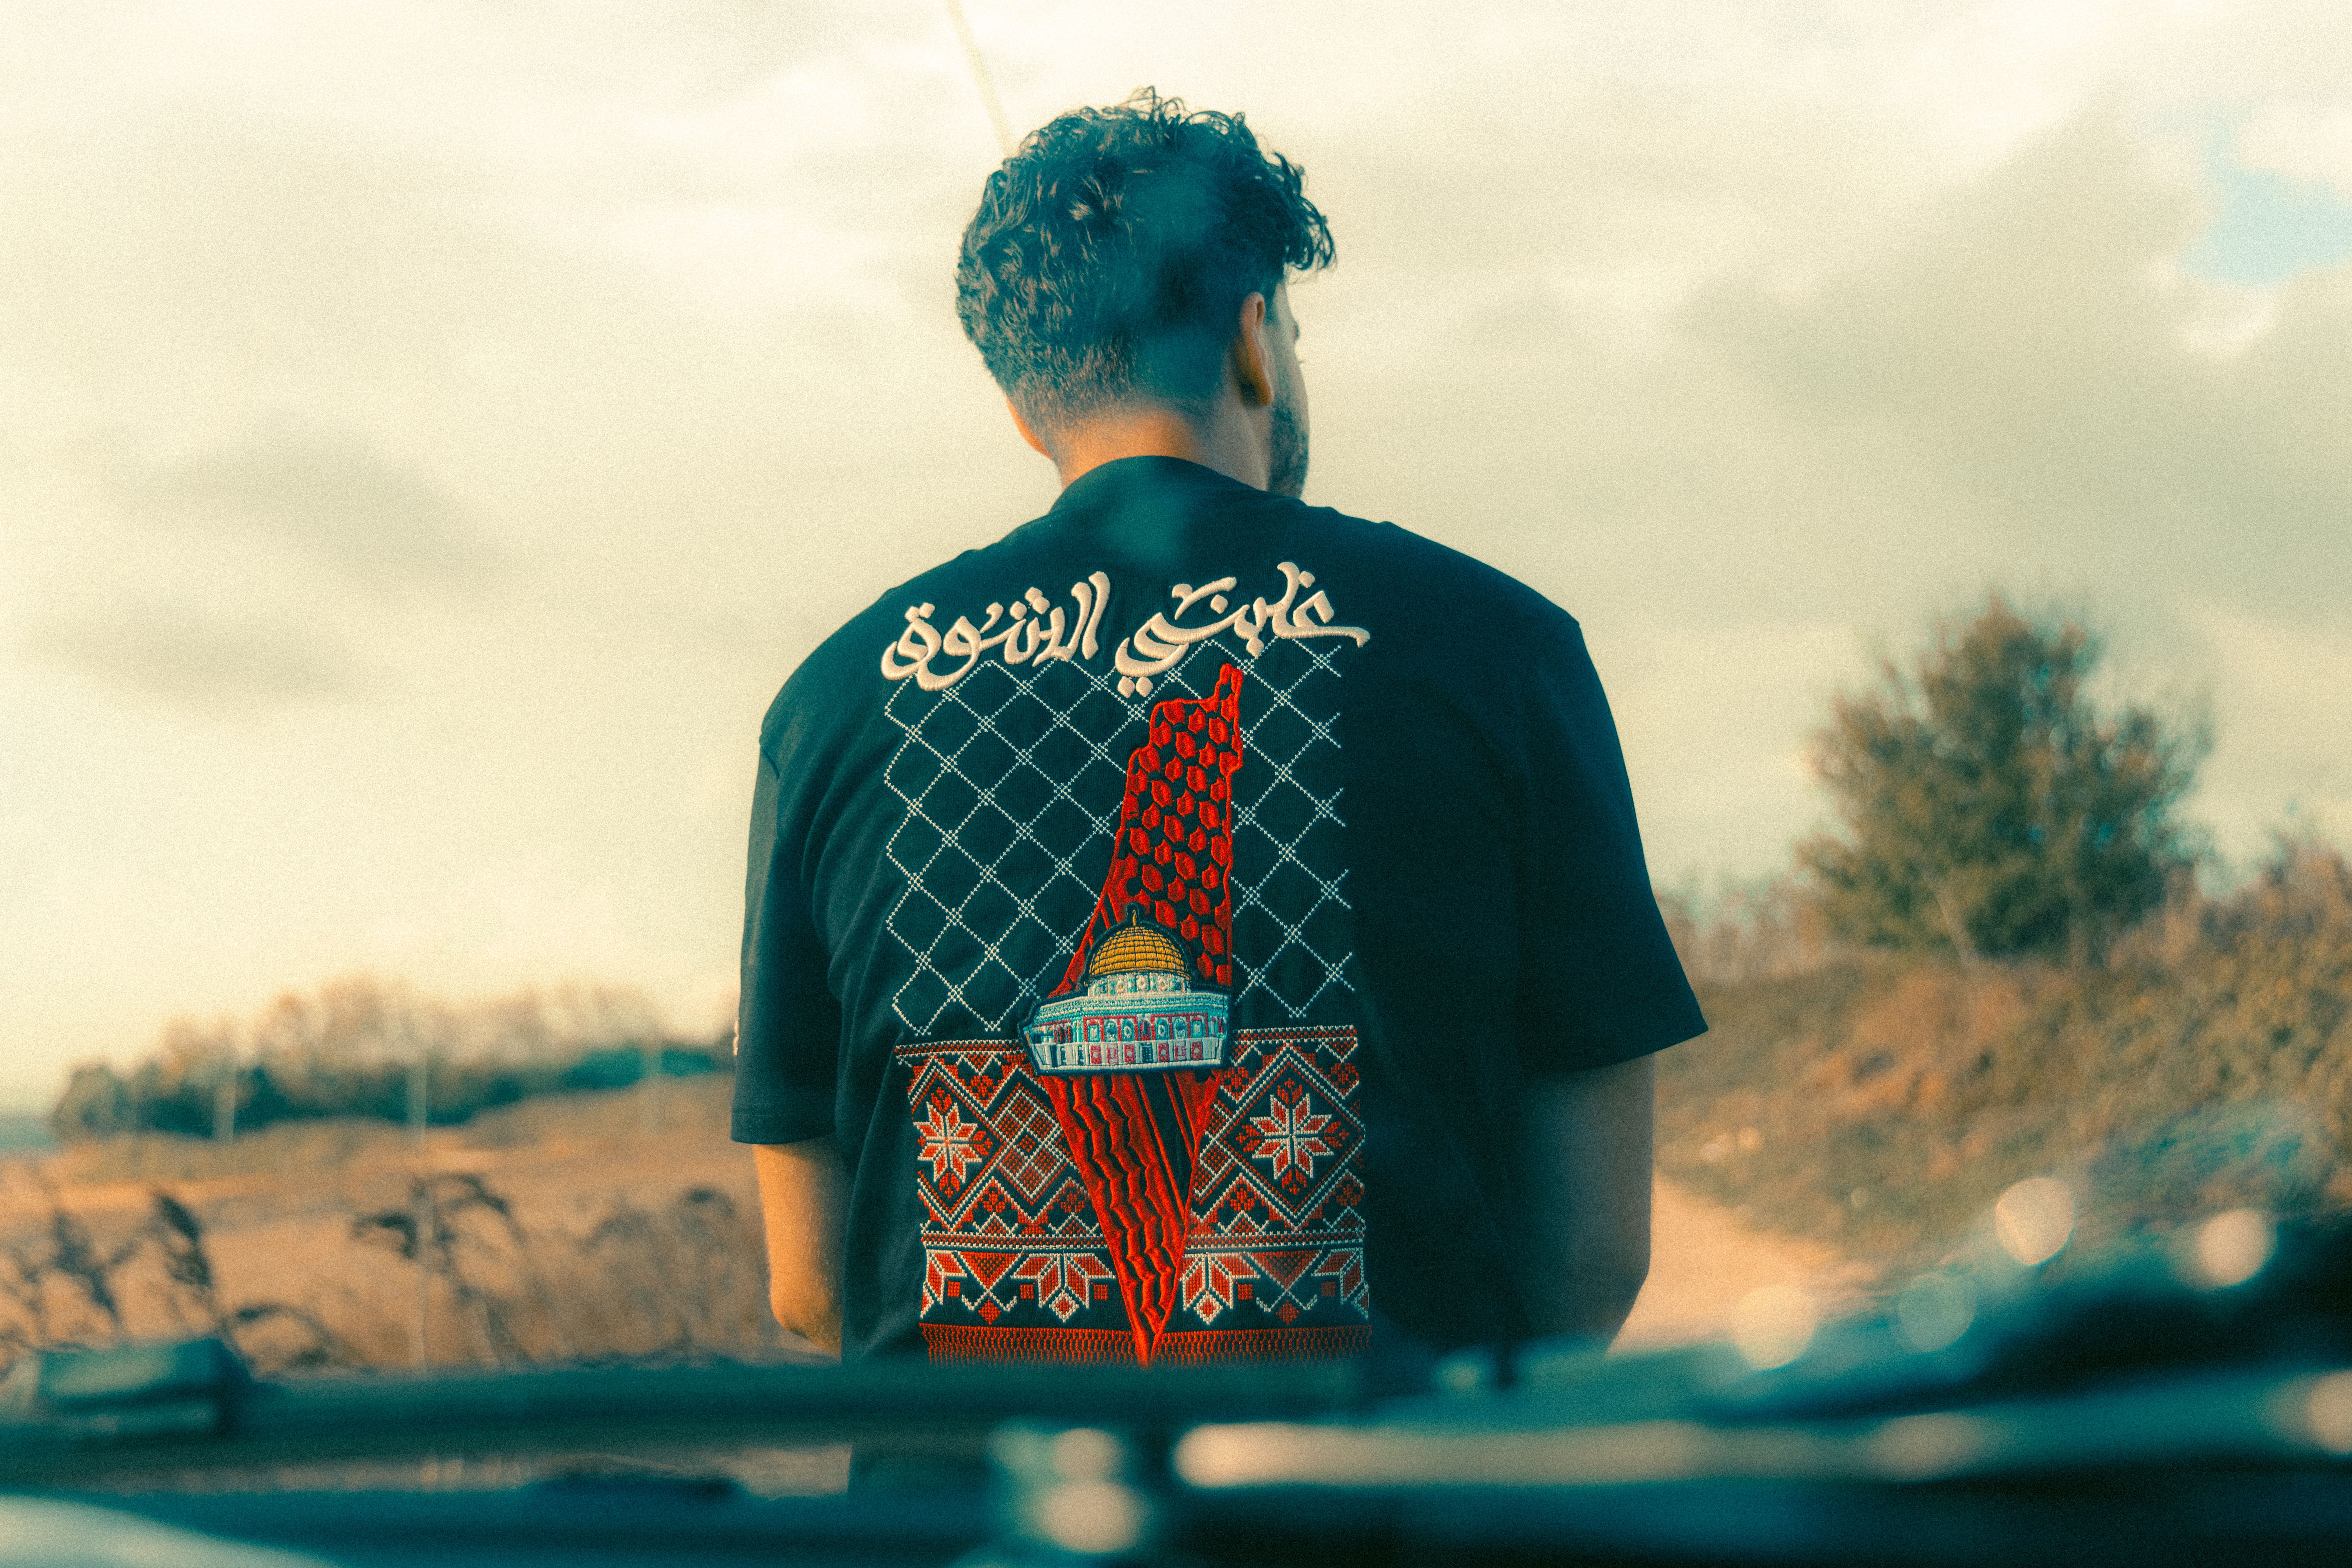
(1850, 1113)
(573, 1228)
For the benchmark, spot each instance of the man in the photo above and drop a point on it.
(1197, 925)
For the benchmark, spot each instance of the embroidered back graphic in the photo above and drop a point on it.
(1136, 1174)
(1164, 921)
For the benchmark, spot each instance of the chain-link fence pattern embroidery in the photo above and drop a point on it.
(1003, 855)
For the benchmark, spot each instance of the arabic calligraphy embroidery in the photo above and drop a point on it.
(1160, 641)
(1035, 630)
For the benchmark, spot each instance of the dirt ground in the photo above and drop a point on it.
(1705, 1260)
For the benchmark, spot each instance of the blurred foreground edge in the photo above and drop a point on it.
(2181, 1402)
(79, 1416)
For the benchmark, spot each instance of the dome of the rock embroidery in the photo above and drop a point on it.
(1136, 949)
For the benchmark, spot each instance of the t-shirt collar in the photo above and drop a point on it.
(1152, 471)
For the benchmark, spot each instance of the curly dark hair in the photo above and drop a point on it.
(1112, 251)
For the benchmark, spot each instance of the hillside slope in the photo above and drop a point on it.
(1880, 1103)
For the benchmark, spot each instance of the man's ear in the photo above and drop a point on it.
(1037, 443)
(1253, 354)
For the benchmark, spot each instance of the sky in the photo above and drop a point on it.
(430, 431)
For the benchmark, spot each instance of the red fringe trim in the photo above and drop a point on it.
(957, 1343)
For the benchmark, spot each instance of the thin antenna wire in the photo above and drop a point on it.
(979, 76)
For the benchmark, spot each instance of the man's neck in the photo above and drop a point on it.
(1226, 442)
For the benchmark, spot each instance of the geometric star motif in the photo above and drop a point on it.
(1290, 1136)
(951, 1144)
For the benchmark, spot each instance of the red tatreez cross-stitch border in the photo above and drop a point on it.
(952, 1342)
(1272, 1255)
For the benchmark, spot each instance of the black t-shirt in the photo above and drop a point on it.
(1164, 908)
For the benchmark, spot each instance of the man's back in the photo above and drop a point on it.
(1166, 908)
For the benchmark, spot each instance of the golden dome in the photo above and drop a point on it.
(1135, 948)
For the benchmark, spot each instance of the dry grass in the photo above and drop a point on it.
(572, 1228)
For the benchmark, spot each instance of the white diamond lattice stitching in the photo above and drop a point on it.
(1003, 856)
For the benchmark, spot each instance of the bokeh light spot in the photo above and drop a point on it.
(2034, 1220)
(2231, 1248)
(1934, 1311)
(2327, 1412)
(1772, 1326)
(1083, 1454)
(1916, 1448)
(1093, 1518)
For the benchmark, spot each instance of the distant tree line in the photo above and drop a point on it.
(364, 1047)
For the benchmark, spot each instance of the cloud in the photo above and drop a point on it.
(514, 917)
(2309, 141)
(2285, 696)
(2027, 353)
(327, 494)
(189, 658)
(1683, 696)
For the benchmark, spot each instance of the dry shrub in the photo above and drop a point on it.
(307, 1244)
(63, 1284)
(680, 1280)
(676, 1281)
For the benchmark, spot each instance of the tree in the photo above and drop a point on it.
(1990, 806)
(96, 1104)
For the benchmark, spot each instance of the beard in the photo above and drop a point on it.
(1285, 460)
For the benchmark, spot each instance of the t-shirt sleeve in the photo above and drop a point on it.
(1599, 979)
(788, 1026)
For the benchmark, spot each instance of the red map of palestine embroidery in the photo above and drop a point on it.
(1136, 1137)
